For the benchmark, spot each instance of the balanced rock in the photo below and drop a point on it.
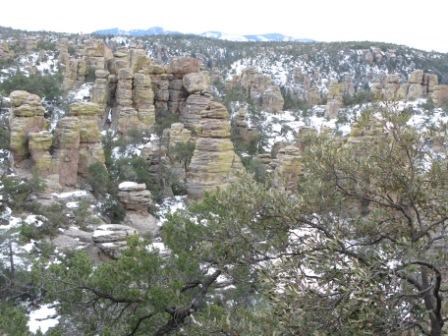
(134, 196)
(184, 65)
(196, 82)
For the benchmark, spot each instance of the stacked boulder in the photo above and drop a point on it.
(90, 146)
(334, 99)
(287, 168)
(67, 150)
(39, 144)
(100, 90)
(214, 162)
(27, 116)
(421, 84)
(136, 199)
(111, 239)
(126, 114)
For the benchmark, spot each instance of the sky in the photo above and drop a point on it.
(417, 24)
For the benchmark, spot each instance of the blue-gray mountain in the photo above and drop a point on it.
(269, 37)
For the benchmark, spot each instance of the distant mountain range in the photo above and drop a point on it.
(211, 34)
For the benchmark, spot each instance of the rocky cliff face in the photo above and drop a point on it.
(261, 90)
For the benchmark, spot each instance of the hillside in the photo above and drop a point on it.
(186, 185)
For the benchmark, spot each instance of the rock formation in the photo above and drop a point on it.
(39, 145)
(214, 162)
(111, 239)
(67, 150)
(134, 196)
(90, 146)
(136, 199)
(27, 116)
(260, 89)
(440, 95)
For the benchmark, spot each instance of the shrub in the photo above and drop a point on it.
(48, 86)
(99, 178)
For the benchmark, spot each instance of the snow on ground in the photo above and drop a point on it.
(81, 94)
(42, 318)
(71, 194)
(169, 206)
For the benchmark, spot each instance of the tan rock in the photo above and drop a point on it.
(196, 82)
(184, 65)
(440, 95)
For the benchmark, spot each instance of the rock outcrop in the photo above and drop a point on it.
(214, 162)
(111, 239)
(67, 150)
(260, 89)
(39, 145)
(27, 116)
(440, 95)
(90, 146)
(134, 196)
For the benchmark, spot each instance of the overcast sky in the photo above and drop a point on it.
(421, 24)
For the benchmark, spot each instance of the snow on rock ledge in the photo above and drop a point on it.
(131, 186)
(108, 233)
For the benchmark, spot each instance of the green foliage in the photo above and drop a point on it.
(53, 217)
(163, 121)
(13, 320)
(358, 98)
(48, 86)
(293, 103)
(46, 44)
(105, 186)
(182, 152)
(16, 191)
(99, 178)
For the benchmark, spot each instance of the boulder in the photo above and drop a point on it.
(440, 95)
(108, 233)
(134, 196)
(196, 82)
(184, 65)
(415, 91)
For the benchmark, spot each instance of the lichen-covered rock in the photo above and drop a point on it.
(26, 117)
(143, 100)
(214, 162)
(196, 82)
(39, 144)
(88, 114)
(194, 104)
(100, 90)
(67, 150)
(261, 90)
